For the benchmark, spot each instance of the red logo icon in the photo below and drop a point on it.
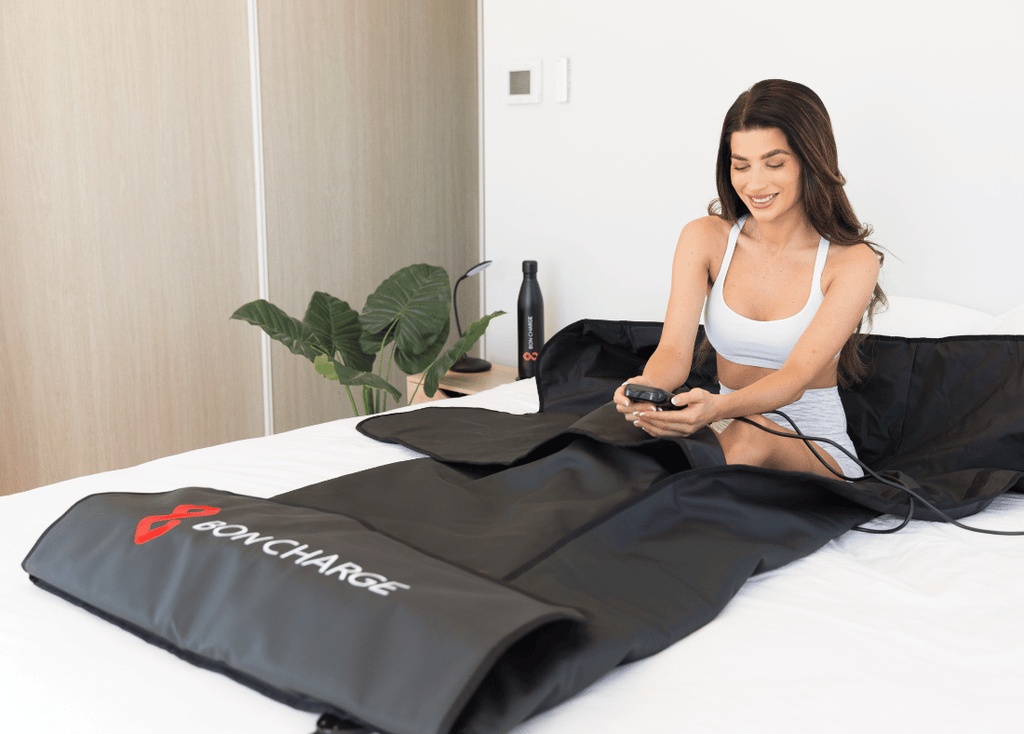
(530, 356)
(145, 531)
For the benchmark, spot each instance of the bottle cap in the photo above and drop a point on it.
(529, 266)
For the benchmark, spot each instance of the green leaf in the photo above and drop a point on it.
(324, 366)
(371, 343)
(410, 364)
(416, 300)
(336, 326)
(346, 332)
(437, 370)
(334, 370)
(291, 332)
(349, 376)
(318, 319)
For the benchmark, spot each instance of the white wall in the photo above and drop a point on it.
(927, 109)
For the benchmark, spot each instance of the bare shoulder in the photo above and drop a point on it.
(858, 256)
(706, 235)
(707, 227)
(857, 262)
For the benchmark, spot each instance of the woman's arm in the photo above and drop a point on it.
(846, 298)
(669, 366)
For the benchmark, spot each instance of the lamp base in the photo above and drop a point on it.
(471, 364)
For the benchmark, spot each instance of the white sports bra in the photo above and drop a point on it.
(749, 341)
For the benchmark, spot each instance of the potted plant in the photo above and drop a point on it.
(409, 312)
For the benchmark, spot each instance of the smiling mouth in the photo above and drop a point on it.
(762, 201)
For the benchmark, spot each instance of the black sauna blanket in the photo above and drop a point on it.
(530, 554)
(650, 538)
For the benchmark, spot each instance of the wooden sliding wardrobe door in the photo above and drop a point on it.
(127, 231)
(370, 151)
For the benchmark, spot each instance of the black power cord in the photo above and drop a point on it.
(868, 472)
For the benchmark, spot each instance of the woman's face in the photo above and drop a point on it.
(766, 173)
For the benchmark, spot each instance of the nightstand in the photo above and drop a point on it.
(463, 383)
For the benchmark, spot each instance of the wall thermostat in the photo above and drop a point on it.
(523, 81)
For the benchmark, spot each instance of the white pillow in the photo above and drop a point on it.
(913, 317)
(1011, 322)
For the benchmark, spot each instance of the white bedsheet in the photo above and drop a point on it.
(922, 631)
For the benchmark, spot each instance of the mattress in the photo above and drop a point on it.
(916, 631)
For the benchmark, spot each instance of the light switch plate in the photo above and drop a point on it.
(523, 81)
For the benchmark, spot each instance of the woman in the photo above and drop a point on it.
(784, 273)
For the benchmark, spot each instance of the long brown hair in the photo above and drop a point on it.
(800, 115)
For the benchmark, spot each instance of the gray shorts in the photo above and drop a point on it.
(818, 413)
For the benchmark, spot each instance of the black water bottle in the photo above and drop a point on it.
(531, 321)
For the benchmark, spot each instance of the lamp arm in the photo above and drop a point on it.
(455, 303)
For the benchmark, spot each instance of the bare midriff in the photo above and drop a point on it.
(738, 376)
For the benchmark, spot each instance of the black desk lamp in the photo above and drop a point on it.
(467, 363)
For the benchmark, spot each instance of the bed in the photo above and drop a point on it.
(917, 631)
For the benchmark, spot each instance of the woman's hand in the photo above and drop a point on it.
(623, 404)
(698, 411)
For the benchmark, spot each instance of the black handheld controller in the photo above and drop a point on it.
(653, 395)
